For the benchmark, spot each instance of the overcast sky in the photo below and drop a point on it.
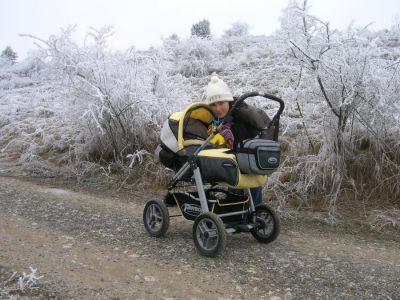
(143, 23)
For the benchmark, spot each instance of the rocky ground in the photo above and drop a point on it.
(90, 243)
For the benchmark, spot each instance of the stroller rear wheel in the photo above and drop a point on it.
(156, 218)
(267, 225)
(209, 234)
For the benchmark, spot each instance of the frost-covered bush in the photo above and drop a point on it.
(121, 98)
(194, 57)
(349, 79)
(21, 74)
(237, 29)
(339, 130)
(20, 284)
(14, 82)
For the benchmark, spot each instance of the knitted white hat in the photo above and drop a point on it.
(217, 91)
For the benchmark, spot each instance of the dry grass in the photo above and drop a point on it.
(383, 219)
(361, 182)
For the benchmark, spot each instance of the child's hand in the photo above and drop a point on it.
(226, 132)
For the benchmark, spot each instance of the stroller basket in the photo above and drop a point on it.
(228, 206)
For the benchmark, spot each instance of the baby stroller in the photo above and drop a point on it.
(205, 176)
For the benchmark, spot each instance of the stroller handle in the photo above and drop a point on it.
(275, 120)
(243, 97)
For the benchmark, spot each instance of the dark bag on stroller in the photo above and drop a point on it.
(258, 156)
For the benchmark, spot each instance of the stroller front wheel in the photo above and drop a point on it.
(156, 218)
(209, 234)
(267, 224)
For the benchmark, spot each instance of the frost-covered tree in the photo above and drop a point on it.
(171, 42)
(237, 29)
(201, 29)
(191, 57)
(9, 55)
(174, 37)
(123, 96)
(345, 75)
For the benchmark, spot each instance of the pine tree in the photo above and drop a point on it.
(9, 54)
(201, 29)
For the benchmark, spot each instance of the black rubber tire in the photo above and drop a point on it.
(213, 224)
(156, 218)
(266, 212)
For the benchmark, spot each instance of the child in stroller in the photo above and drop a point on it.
(214, 209)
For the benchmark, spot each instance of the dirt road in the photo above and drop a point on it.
(92, 245)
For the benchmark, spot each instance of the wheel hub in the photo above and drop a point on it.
(207, 234)
(260, 223)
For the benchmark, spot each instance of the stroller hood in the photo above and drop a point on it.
(187, 127)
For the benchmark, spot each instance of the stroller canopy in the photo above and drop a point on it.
(188, 127)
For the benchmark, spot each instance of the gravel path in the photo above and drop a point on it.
(92, 245)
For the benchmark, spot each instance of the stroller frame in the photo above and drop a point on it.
(205, 209)
(209, 231)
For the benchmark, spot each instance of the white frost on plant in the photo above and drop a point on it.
(22, 283)
(138, 155)
(69, 103)
(28, 281)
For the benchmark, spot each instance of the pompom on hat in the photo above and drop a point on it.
(217, 91)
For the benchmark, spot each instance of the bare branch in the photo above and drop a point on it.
(312, 60)
(35, 38)
(326, 97)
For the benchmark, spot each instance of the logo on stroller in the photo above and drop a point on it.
(191, 209)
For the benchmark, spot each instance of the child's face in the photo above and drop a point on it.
(220, 109)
